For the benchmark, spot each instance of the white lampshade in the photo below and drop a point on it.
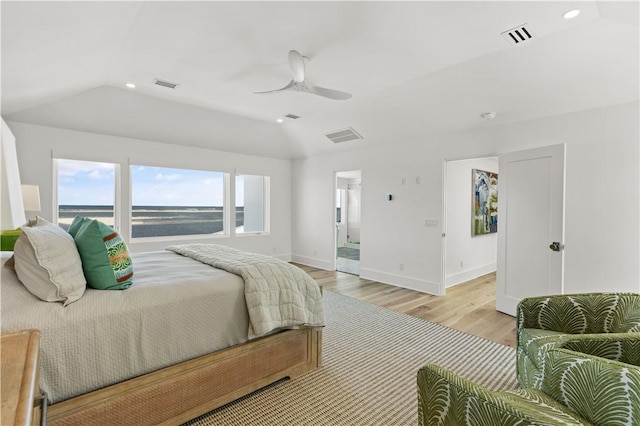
(31, 198)
(11, 205)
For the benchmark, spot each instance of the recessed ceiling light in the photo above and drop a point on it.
(279, 120)
(130, 85)
(571, 14)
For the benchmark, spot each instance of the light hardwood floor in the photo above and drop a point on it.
(469, 307)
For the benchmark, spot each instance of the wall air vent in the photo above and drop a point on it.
(292, 116)
(518, 35)
(344, 135)
(165, 83)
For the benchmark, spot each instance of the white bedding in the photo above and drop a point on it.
(153, 324)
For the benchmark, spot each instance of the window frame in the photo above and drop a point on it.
(117, 181)
(266, 206)
(225, 233)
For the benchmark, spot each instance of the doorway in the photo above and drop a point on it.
(531, 224)
(471, 242)
(348, 202)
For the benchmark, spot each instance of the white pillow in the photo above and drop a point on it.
(48, 264)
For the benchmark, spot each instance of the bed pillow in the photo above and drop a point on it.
(48, 264)
(105, 258)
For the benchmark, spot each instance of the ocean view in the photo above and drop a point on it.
(154, 221)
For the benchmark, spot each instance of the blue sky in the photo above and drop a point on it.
(92, 183)
(155, 186)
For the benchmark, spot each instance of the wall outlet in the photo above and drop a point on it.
(461, 264)
(403, 181)
(315, 252)
(401, 266)
(275, 249)
(418, 180)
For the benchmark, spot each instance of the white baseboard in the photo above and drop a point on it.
(422, 286)
(284, 257)
(312, 261)
(469, 274)
(401, 281)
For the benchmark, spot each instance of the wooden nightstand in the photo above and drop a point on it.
(21, 398)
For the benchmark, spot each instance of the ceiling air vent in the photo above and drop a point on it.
(165, 83)
(292, 116)
(518, 35)
(344, 135)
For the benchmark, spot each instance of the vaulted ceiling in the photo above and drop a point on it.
(415, 69)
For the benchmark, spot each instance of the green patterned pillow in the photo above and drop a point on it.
(105, 259)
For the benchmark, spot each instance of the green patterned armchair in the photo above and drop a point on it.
(601, 324)
(575, 388)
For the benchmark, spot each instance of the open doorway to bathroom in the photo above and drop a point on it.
(348, 185)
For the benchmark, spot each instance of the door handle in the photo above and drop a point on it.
(556, 246)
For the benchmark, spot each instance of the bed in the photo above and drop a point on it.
(189, 347)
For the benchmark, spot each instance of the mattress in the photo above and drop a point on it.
(177, 309)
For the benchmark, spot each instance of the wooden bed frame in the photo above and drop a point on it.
(184, 391)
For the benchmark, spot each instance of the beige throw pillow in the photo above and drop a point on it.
(48, 264)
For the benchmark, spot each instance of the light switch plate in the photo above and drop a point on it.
(431, 223)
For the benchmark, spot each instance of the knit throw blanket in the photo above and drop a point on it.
(278, 295)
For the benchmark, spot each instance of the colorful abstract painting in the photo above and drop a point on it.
(485, 202)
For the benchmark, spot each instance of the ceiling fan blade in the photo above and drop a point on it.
(329, 93)
(296, 62)
(298, 84)
(287, 87)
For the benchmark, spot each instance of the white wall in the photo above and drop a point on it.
(391, 232)
(11, 202)
(467, 256)
(36, 145)
(602, 199)
(254, 199)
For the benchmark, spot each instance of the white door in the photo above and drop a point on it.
(531, 225)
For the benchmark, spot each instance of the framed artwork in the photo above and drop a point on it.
(484, 217)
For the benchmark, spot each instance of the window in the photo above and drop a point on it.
(168, 202)
(86, 188)
(252, 193)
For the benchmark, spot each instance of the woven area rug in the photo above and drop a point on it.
(370, 359)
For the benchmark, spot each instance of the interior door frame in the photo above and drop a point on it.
(443, 246)
(335, 206)
(499, 266)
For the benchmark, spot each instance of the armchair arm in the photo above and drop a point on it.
(581, 313)
(445, 398)
(622, 347)
(604, 392)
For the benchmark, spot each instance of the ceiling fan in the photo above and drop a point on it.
(299, 84)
